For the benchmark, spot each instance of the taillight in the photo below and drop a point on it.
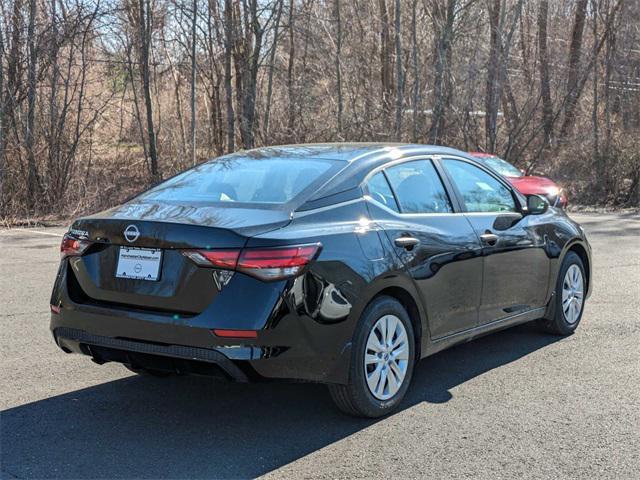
(214, 258)
(72, 247)
(276, 263)
(263, 263)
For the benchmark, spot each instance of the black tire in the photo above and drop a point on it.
(355, 398)
(150, 372)
(558, 325)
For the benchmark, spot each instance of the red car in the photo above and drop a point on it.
(526, 184)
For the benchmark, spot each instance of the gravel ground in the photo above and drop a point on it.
(514, 404)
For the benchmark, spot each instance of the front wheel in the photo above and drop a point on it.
(381, 363)
(569, 297)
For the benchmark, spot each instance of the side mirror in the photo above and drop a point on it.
(536, 205)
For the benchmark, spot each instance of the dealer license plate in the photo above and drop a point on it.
(139, 263)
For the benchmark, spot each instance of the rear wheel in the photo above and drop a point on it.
(569, 297)
(381, 363)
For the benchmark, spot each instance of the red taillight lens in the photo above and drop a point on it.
(72, 247)
(227, 259)
(277, 263)
(263, 263)
(277, 257)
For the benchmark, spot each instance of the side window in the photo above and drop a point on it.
(419, 188)
(380, 191)
(480, 191)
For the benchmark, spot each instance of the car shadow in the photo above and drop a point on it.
(193, 427)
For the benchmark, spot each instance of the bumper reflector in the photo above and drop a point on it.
(235, 333)
(54, 309)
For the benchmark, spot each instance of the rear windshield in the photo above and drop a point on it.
(244, 180)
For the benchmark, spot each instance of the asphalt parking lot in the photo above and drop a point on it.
(517, 404)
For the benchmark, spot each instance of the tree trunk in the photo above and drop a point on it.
(575, 51)
(291, 107)
(399, 74)
(272, 60)
(545, 82)
(145, 15)
(443, 27)
(416, 76)
(229, 43)
(13, 76)
(596, 100)
(386, 69)
(33, 181)
(337, 62)
(176, 93)
(249, 110)
(493, 77)
(193, 81)
(53, 96)
(2, 126)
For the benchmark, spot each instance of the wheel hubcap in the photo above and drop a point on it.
(572, 294)
(386, 357)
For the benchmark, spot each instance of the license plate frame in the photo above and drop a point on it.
(139, 263)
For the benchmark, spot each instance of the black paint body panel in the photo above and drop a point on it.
(455, 287)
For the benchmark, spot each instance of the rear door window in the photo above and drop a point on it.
(244, 180)
(418, 188)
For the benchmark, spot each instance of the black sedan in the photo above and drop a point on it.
(336, 263)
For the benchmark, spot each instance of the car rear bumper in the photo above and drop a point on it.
(288, 345)
(291, 354)
(141, 354)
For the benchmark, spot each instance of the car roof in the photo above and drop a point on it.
(359, 159)
(348, 151)
(483, 155)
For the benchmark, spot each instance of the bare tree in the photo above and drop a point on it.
(399, 73)
(493, 76)
(443, 17)
(575, 51)
(338, 21)
(386, 61)
(87, 95)
(141, 17)
(194, 39)
(545, 82)
(416, 72)
(272, 60)
(229, 45)
(34, 188)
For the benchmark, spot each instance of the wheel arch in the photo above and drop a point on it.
(411, 306)
(579, 249)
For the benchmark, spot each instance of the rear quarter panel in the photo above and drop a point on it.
(326, 302)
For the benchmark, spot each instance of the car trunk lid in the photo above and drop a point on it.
(164, 231)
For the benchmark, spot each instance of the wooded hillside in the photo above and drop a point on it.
(101, 98)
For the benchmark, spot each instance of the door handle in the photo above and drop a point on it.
(406, 242)
(489, 238)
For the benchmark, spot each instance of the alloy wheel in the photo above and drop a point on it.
(572, 294)
(386, 357)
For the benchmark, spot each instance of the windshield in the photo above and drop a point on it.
(501, 166)
(271, 180)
